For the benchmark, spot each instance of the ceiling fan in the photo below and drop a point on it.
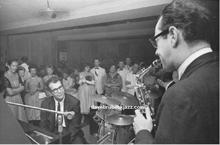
(52, 13)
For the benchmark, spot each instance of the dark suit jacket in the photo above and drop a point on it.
(72, 126)
(189, 110)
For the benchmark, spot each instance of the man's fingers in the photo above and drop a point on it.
(138, 113)
(148, 113)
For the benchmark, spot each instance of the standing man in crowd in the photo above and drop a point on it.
(189, 110)
(131, 80)
(123, 73)
(128, 65)
(99, 73)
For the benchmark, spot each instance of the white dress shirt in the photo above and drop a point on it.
(61, 109)
(131, 79)
(123, 73)
(98, 73)
(190, 59)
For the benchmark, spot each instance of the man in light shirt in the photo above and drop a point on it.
(128, 65)
(98, 73)
(123, 73)
(131, 81)
(189, 110)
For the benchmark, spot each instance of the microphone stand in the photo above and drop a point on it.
(68, 114)
(60, 127)
(59, 116)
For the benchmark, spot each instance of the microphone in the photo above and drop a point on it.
(69, 115)
(60, 122)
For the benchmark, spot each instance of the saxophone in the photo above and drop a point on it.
(142, 94)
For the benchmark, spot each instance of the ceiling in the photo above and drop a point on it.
(24, 16)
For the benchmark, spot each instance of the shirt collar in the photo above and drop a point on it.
(97, 67)
(190, 59)
(56, 102)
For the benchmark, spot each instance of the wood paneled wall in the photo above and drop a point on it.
(109, 51)
(40, 48)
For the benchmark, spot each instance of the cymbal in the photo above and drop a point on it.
(127, 101)
(121, 94)
(106, 100)
(120, 119)
(125, 98)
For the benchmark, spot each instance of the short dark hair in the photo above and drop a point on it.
(50, 66)
(33, 66)
(191, 16)
(20, 68)
(53, 79)
(24, 59)
(9, 62)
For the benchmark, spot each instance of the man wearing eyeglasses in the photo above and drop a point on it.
(189, 110)
(59, 101)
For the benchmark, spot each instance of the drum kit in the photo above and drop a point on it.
(116, 119)
(115, 127)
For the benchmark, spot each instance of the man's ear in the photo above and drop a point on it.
(174, 36)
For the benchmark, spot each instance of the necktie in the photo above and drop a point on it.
(96, 73)
(58, 109)
(58, 106)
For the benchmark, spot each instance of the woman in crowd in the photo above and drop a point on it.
(21, 74)
(112, 81)
(75, 76)
(68, 83)
(86, 90)
(49, 73)
(13, 89)
(33, 86)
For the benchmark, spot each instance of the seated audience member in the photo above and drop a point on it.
(62, 102)
(33, 86)
(112, 81)
(123, 73)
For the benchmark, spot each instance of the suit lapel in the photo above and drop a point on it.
(66, 108)
(52, 115)
(199, 62)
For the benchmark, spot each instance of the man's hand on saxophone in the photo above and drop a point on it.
(142, 123)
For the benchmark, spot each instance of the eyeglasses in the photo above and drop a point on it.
(153, 39)
(57, 89)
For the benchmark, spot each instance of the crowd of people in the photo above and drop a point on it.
(27, 84)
